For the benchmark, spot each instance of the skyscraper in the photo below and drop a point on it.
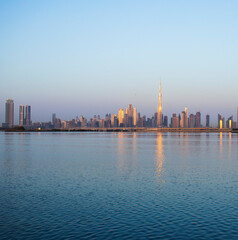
(207, 120)
(134, 117)
(21, 115)
(9, 113)
(28, 115)
(183, 119)
(159, 112)
(53, 118)
(175, 121)
(120, 117)
(198, 120)
(186, 118)
(130, 115)
(191, 121)
(220, 121)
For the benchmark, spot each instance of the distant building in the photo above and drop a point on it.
(134, 117)
(186, 118)
(130, 115)
(198, 120)
(125, 120)
(191, 121)
(183, 120)
(63, 124)
(9, 113)
(121, 117)
(114, 120)
(28, 115)
(165, 122)
(207, 121)
(53, 119)
(21, 115)
(175, 121)
(229, 122)
(220, 121)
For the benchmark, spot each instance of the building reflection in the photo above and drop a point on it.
(159, 161)
(220, 145)
(127, 151)
(230, 144)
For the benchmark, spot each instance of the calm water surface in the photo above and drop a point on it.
(118, 186)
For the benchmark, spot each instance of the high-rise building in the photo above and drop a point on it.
(130, 115)
(120, 117)
(21, 115)
(183, 119)
(207, 121)
(198, 120)
(134, 117)
(28, 115)
(159, 112)
(175, 121)
(191, 121)
(9, 113)
(114, 122)
(221, 121)
(186, 118)
(165, 123)
(138, 120)
(229, 122)
(53, 118)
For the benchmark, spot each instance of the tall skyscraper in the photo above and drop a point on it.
(186, 118)
(134, 117)
(53, 118)
(28, 115)
(159, 112)
(21, 115)
(198, 120)
(220, 121)
(175, 121)
(165, 123)
(120, 117)
(130, 115)
(191, 121)
(182, 120)
(207, 121)
(229, 122)
(9, 113)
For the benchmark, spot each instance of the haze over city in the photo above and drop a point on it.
(94, 58)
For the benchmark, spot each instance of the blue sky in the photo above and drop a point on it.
(94, 57)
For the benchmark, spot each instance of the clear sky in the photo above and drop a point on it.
(94, 57)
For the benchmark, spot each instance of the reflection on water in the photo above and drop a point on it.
(221, 137)
(159, 156)
(108, 185)
(127, 151)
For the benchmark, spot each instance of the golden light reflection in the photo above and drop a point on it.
(221, 136)
(120, 145)
(159, 156)
(230, 144)
(127, 151)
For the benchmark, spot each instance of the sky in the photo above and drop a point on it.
(77, 58)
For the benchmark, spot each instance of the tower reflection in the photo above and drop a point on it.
(159, 162)
(221, 143)
(127, 151)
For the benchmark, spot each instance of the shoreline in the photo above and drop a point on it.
(128, 129)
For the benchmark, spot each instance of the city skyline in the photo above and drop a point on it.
(128, 117)
(70, 58)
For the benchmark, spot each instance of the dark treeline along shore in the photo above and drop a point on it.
(126, 129)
